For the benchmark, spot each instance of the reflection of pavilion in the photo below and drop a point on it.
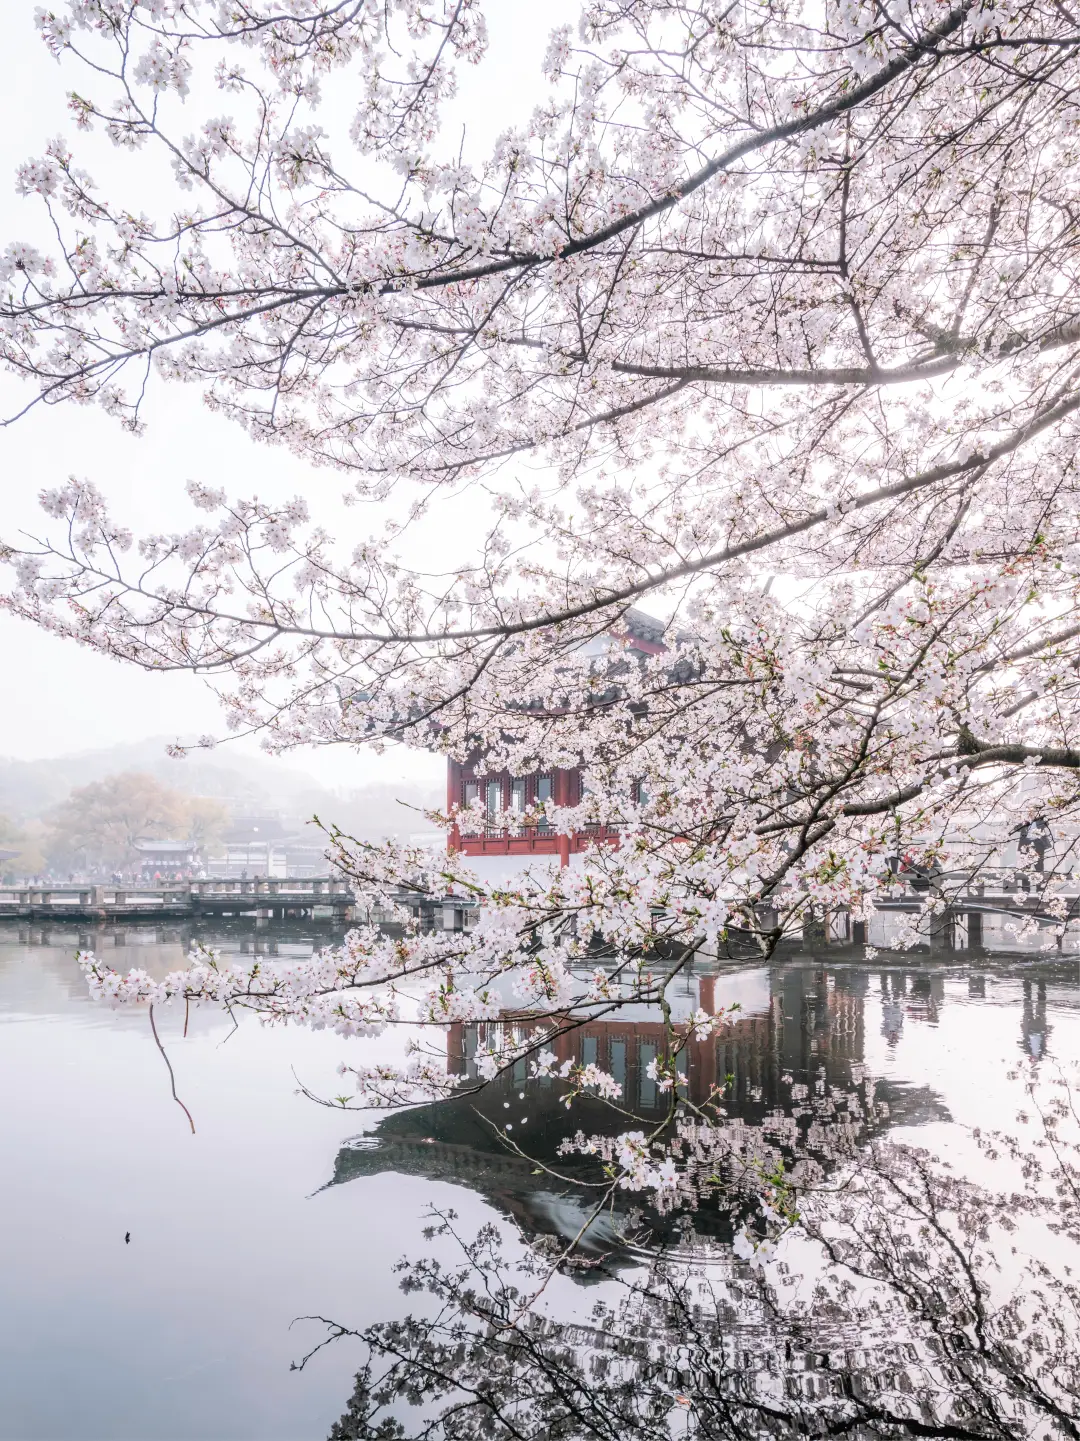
(798, 1020)
(805, 1026)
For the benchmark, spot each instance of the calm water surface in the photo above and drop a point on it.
(273, 1210)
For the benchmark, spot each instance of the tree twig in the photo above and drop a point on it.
(172, 1077)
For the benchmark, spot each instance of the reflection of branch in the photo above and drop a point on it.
(937, 1356)
(512, 1145)
(528, 1302)
(172, 1078)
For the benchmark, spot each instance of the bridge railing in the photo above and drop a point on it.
(91, 895)
(272, 886)
(188, 894)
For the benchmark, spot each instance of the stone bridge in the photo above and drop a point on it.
(318, 898)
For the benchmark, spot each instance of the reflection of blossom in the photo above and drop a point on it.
(830, 1358)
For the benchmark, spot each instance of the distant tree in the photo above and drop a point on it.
(26, 841)
(204, 820)
(10, 835)
(100, 824)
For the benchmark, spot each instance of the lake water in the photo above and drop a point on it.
(278, 1209)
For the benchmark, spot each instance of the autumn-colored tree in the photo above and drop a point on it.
(204, 821)
(99, 824)
(26, 841)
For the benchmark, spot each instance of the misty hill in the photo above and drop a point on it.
(245, 784)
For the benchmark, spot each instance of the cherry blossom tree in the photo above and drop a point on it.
(781, 300)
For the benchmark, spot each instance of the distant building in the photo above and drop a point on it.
(274, 858)
(238, 860)
(256, 827)
(262, 843)
(167, 857)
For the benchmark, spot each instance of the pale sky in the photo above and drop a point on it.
(59, 697)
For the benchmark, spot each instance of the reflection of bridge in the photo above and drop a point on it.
(799, 1021)
(269, 899)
